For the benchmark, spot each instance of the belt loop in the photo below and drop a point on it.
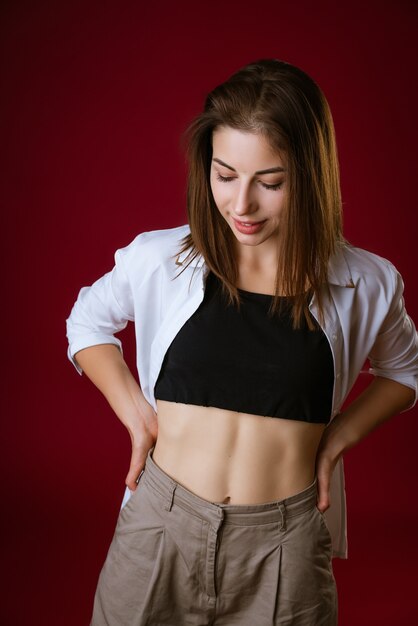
(169, 504)
(282, 510)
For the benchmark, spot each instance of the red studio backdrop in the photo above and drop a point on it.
(95, 96)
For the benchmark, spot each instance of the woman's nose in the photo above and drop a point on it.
(244, 203)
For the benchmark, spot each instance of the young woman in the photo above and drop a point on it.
(253, 322)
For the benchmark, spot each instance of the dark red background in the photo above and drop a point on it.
(94, 98)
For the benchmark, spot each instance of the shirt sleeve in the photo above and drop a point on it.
(100, 311)
(395, 352)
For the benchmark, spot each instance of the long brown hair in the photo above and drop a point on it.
(285, 105)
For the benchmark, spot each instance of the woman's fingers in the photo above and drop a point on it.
(323, 484)
(139, 455)
(325, 465)
(136, 467)
(142, 439)
(324, 469)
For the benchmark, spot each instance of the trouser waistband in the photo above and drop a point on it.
(245, 514)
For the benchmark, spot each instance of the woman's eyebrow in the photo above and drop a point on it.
(271, 170)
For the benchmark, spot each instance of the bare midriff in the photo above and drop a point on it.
(235, 458)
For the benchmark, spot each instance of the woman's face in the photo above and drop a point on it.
(248, 181)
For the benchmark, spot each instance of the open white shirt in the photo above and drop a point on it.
(364, 319)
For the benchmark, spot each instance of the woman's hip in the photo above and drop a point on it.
(172, 550)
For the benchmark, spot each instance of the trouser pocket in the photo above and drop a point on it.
(323, 523)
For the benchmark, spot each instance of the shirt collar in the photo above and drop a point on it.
(197, 261)
(338, 269)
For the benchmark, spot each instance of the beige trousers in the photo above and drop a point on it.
(177, 559)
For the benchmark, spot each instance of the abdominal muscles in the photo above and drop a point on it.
(236, 458)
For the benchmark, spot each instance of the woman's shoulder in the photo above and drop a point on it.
(366, 264)
(373, 279)
(154, 244)
(154, 238)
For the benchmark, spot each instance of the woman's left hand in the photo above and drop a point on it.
(326, 460)
(324, 467)
(382, 399)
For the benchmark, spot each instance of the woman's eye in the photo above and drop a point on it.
(224, 179)
(227, 179)
(272, 187)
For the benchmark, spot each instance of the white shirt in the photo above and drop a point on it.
(365, 318)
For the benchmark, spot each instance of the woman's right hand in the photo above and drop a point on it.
(142, 439)
(105, 366)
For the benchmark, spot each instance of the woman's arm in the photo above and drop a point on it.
(104, 365)
(382, 399)
(100, 311)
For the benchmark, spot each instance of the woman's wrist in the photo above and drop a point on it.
(335, 439)
(140, 420)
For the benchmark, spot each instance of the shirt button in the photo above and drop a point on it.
(334, 337)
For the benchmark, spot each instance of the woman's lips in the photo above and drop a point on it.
(249, 229)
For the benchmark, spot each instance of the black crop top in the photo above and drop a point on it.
(248, 362)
